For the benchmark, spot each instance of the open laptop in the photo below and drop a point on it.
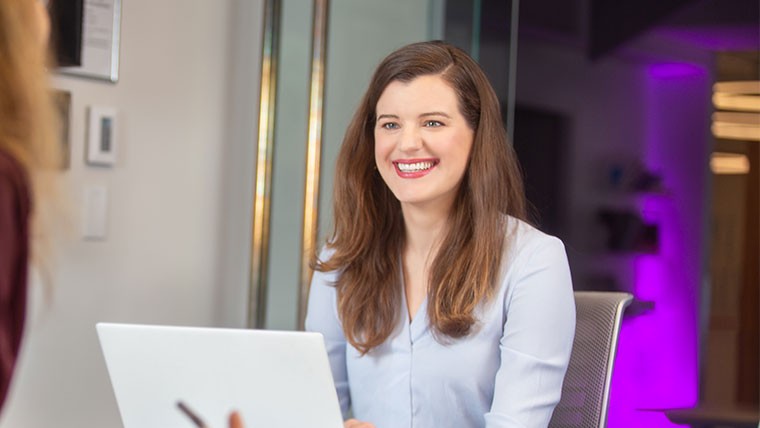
(274, 379)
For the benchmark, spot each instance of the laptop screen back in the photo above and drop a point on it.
(274, 379)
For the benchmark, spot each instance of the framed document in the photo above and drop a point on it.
(100, 41)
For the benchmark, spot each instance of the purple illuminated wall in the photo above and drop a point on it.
(657, 362)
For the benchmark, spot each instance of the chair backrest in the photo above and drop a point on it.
(586, 389)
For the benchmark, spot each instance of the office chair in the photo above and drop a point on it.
(586, 389)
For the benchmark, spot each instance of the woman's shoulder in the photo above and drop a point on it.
(8, 163)
(522, 237)
(534, 262)
(325, 253)
(13, 178)
(322, 275)
(527, 247)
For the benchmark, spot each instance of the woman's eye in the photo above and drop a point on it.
(432, 123)
(389, 125)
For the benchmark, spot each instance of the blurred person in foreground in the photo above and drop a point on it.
(28, 161)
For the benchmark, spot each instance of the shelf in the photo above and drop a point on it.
(625, 197)
(716, 416)
(611, 256)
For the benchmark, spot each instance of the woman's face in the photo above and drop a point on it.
(422, 141)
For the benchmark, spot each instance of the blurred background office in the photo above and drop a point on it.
(637, 123)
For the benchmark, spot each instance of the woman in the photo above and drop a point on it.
(440, 306)
(28, 153)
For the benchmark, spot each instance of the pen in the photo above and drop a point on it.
(190, 414)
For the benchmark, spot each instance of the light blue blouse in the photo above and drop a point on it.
(507, 373)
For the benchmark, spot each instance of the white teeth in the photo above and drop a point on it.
(414, 167)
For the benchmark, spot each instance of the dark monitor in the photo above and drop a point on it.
(66, 18)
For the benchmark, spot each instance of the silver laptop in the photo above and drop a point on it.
(274, 379)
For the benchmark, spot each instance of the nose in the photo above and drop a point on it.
(410, 140)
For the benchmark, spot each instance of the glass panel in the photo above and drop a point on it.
(288, 172)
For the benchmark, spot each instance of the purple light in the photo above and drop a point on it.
(657, 361)
(674, 70)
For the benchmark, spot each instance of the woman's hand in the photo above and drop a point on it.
(353, 423)
(236, 421)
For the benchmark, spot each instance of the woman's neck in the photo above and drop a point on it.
(424, 231)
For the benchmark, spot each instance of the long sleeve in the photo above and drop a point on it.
(537, 339)
(322, 317)
(14, 234)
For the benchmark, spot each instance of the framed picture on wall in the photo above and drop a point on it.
(63, 104)
(101, 32)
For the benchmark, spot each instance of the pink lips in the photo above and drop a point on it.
(414, 168)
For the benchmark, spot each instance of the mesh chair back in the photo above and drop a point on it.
(585, 391)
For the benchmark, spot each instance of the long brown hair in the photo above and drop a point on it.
(369, 227)
(28, 120)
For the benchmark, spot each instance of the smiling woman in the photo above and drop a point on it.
(358, 35)
(431, 263)
(422, 142)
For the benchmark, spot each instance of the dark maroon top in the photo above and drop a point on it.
(15, 207)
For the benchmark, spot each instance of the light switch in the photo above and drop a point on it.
(95, 218)
(101, 136)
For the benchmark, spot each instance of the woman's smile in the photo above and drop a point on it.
(414, 168)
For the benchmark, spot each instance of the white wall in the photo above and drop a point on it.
(179, 209)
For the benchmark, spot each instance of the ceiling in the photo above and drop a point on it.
(602, 26)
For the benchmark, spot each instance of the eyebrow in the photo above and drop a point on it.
(387, 116)
(432, 113)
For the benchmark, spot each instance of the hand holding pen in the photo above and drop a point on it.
(235, 420)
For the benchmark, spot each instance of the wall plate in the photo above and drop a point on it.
(101, 137)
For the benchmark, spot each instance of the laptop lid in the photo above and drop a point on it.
(273, 378)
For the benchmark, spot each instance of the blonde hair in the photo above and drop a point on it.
(29, 123)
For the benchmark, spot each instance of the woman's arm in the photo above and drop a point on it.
(322, 317)
(537, 338)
